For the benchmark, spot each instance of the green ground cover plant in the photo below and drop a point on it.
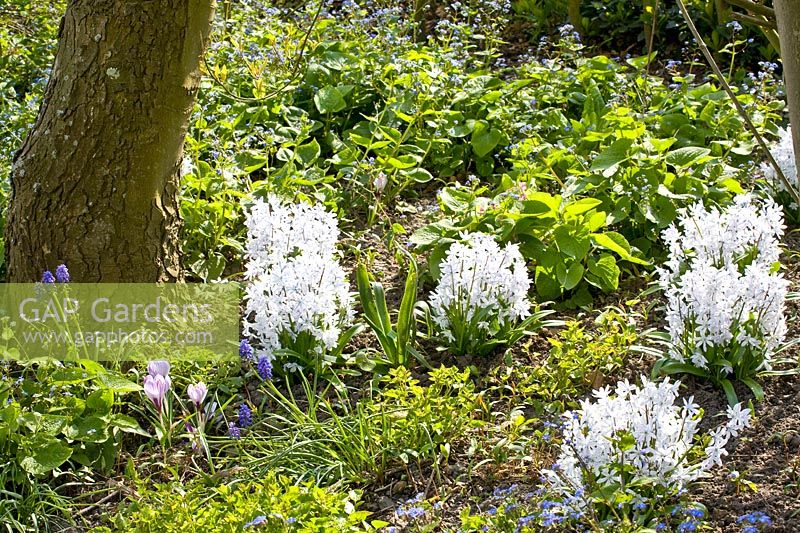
(473, 239)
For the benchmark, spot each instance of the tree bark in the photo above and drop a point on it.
(787, 13)
(574, 15)
(96, 182)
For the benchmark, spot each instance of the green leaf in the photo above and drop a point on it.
(329, 100)
(426, 235)
(405, 316)
(661, 145)
(101, 401)
(581, 206)
(68, 376)
(128, 424)
(730, 393)
(455, 200)
(684, 157)
(46, 458)
(612, 156)
(574, 276)
(758, 391)
(117, 383)
(51, 424)
(667, 367)
(625, 441)
(89, 429)
(211, 267)
(484, 141)
(542, 203)
(613, 241)
(403, 162)
(596, 221)
(420, 175)
(605, 272)
(309, 152)
(435, 259)
(577, 248)
(547, 286)
(641, 62)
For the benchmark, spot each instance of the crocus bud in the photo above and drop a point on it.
(197, 393)
(380, 182)
(158, 368)
(156, 389)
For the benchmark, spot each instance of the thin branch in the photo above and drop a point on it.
(753, 8)
(292, 75)
(710, 58)
(652, 36)
(771, 24)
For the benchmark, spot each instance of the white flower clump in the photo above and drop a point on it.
(661, 433)
(783, 152)
(720, 283)
(295, 282)
(479, 275)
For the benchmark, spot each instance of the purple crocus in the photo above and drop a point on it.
(192, 431)
(197, 393)
(156, 387)
(158, 368)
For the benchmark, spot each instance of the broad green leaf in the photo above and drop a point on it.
(117, 383)
(427, 235)
(581, 206)
(547, 286)
(455, 200)
(420, 175)
(101, 401)
(127, 424)
(574, 276)
(309, 152)
(484, 141)
(329, 100)
(211, 267)
(685, 157)
(89, 429)
(51, 424)
(46, 458)
(64, 376)
(574, 246)
(640, 62)
(618, 244)
(661, 145)
(612, 156)
(596, 221)
(605, 273)
(402, 162)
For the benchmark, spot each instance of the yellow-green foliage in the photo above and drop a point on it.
(285, 506)
(579, 359)
(421, 419)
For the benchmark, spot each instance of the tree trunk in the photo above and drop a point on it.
(95, 184)
(574, 15)
(788, 14)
